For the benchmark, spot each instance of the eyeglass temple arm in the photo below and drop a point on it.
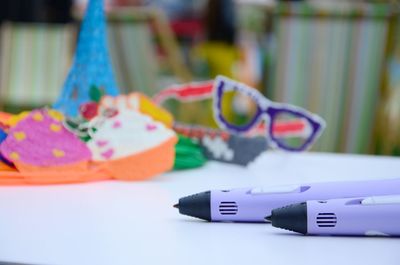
(187, 92)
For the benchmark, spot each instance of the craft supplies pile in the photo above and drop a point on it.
(129, 137)
(93, 133)
(43, 146)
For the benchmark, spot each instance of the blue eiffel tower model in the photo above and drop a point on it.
(91, 66)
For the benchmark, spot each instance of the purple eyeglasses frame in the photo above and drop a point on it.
(265, 108)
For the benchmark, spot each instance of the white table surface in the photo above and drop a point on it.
(134, 222)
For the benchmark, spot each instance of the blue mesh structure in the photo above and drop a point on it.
(91, 66)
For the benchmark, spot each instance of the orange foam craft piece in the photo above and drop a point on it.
(5, 167)
(143, 165)
(52, 177)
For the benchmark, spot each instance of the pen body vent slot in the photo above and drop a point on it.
(228, 208)
(326, 220)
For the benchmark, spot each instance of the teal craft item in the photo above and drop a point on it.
(92, 65)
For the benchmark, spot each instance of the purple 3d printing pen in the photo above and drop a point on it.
(370, 216)
(252, 205)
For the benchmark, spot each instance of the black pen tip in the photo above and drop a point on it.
(176, 206)
(268, 218)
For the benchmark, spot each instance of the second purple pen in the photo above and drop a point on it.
(367, 216)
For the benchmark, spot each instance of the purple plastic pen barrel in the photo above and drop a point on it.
(371, 216)
(253, 204)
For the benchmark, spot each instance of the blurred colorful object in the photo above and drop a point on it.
(215, 144)
(222, 146)
(196, 91)
(91, 66)
(188, 154)
(290, 128)
(269, 112)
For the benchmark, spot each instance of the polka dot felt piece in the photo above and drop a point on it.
(133, 146)
(41, 141)
(127, 133)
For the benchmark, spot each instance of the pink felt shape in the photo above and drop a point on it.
(151, 127)
(107, 154)
(117, 124)
(101, 143)
(43, 142)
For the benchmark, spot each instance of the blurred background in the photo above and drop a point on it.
(337, 58)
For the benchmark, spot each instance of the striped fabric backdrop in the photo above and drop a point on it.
(133, 55)
(145, 53)
(36, 57)
(331, 63)
(34, 60)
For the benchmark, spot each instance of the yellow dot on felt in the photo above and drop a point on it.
(58, 116)
(58, 152)
(37, 117)
(19, 136)
(55, 127)
(14, 156)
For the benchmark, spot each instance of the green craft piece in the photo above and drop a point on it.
(95, 93)
(187, 142)
(73, 125)
(85, 138)
(188, 154)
